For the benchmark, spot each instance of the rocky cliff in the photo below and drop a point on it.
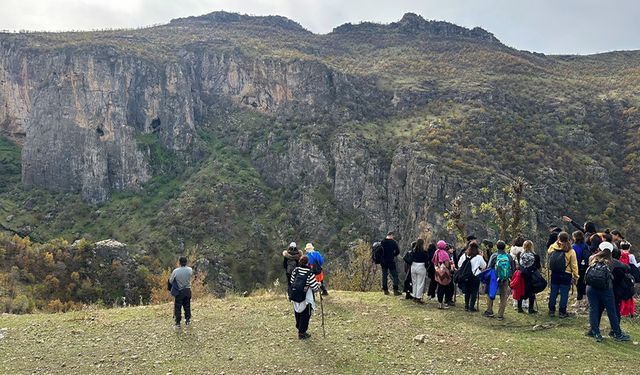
(368, 128)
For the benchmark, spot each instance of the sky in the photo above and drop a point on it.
(547, 26)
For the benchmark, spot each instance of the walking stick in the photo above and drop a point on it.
(324, 334)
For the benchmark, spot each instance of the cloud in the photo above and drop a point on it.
(550, 26)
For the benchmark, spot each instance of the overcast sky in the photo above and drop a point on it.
(548, 26)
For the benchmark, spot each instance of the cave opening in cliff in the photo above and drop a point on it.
(155, 123)
(99, 131)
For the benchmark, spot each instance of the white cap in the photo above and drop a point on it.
(606, 246)
(293, 244)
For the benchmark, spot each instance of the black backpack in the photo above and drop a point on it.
(557, 261)
(377, 252)
(298, 288)
(537, 282)
(627, 287)
(598, 276)
(464, 274)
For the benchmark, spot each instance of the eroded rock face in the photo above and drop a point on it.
(78, 112)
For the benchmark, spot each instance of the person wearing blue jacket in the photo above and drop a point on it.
(582, 254)
(316, 261)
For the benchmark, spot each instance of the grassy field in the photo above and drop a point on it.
(367, 333)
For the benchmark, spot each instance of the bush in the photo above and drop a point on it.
(359, 273)
(22, 305)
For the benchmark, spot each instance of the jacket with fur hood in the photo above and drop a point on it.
(291, 258)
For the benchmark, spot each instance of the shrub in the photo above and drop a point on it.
(359, 273)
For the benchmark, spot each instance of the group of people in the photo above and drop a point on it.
(600, 265)
(304, 277)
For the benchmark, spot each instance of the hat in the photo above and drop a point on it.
(605, 246)
(471, 238)
(442, 245)
(308, 247)
(292, 245)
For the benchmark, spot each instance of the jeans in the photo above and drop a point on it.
(386, 269)
(471, 293)
(563, 290)
(302, 320)
(183, 300)
(602, 299)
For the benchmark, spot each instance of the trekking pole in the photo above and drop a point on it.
(324, 334)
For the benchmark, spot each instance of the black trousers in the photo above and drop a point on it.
(390, 268)
(580, 285)
(431, 292)
(448, 293)
(471, 293)
(302, 320)
(183, 300)
(532, 301)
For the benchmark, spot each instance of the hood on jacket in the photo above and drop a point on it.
(292, 254)
(556, 247)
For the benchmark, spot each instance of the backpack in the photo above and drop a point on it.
(558, 261)
(298, 288)
(627, 287)
(174, 288)
(443, 274)
(527, 260)
(537, 283)
(377, 252)
(503, 267)
(464, 274)
(408, 257)
(598, 276)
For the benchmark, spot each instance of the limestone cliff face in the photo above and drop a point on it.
(78, 112)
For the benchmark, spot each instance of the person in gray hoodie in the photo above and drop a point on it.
(180, 281)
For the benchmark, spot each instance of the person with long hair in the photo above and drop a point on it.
(600, 294)
(563, 265)
(419, 270)
(582, 254)
(529, 264)
(477, 264)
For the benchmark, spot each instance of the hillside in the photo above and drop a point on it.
(366, 333)
(227, 136)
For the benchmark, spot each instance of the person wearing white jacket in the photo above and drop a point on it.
(478, 264)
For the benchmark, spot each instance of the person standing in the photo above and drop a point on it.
(504, 266)
(431, 272)
(291, 257)
(530, 267)
(418, 271)
(563, 265)
(181, 280)
(443, 272)
(599, 282)
(316, 261)
(472, 284)
(390, 250)
(303, 279)
(582, 254)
